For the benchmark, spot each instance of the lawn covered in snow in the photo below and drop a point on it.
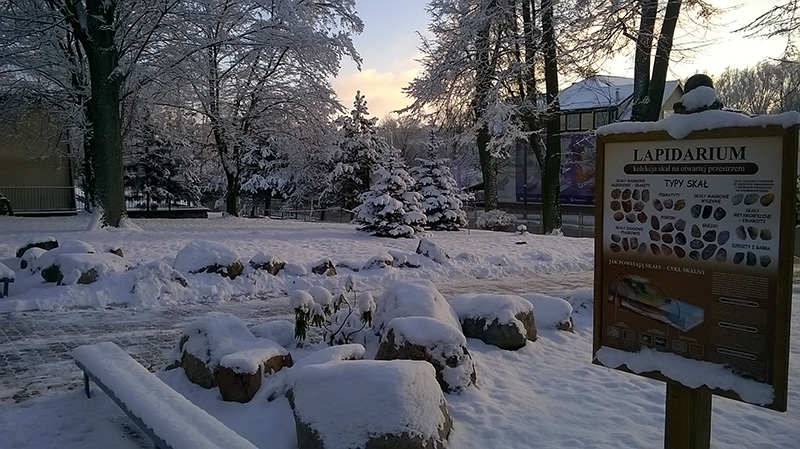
(546, 394)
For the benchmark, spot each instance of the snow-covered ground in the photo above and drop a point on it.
(547, 394)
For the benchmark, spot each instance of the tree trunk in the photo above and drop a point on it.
(663, 48)
(641, 65)
(105, 142)
(483, 84)
(551, 170)
(531, 94)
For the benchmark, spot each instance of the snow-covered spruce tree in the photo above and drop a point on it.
(358, 150)
(440, 197)
(158, 172)
(391, 207)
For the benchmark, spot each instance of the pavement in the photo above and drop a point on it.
(35, 347)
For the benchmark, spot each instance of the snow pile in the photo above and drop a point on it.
(279, 331)
(157, 283)
(549, 311)
(218, 334)
(691, 373)
(73, 266)
(698, 98)
(490, 307)
(425, 331)
(198, 255)
(419, 298)
(347, 403)
(67, 247)
(681, 125)
(30, 255)
(338, 353)
(248, 361)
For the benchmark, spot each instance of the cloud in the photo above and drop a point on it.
(383, 90)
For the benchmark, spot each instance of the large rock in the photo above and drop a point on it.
(209, 257)
(432, 251)
(432, 341)
(240, 373)
(48, 258)
(79, 268)
(505, 321)
(45, 243)
(219, 351)
(368, 404)
(412, 298)
(324, 267)
(551, 312)
(268, 263)
(30, 255)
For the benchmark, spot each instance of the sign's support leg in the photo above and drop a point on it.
(688, 417)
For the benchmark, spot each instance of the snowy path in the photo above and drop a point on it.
(35, 346)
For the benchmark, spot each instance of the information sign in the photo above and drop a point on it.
(694, 248)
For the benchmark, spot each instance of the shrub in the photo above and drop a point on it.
(495, 220)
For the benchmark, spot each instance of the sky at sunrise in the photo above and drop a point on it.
(390, 41)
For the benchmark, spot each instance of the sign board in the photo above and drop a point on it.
(694, 248)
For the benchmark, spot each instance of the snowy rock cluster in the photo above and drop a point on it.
(219, 350)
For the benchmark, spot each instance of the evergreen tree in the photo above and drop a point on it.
(391, 208)
(440, 199)
(158, 173)
(358, 151)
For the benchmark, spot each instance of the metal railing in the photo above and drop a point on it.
(40, 199)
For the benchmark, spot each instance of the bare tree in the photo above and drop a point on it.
(769, 87)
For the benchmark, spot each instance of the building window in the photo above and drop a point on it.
(586, 121)
(573, 122)
(563, 122)
(601, 118)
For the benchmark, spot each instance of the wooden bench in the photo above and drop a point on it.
(170, 420)
(6, 277)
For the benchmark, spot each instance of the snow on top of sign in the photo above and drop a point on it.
(681, 125)
(691, 373)
(699, 97)
(5, 272)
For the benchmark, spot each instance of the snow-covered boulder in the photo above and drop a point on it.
(67, 247)
(380, 261)
(221, 343)
(279, 331)
(324, 267)
(551, 312)
(83, 268)
(368, 404)
(157, 282)
(30, 255)
(267, 262)
(432, 251)
(209, 257)
(505, 321)
(412, 298)
(295, 269)
(46, 243)
(338, 353)
(433, 341)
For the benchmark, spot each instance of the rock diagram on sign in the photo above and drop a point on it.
(639, 295)
(701, 238)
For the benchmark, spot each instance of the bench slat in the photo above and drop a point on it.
(168, 418)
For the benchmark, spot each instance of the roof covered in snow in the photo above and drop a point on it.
(603, 91)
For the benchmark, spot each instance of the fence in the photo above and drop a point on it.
(577, 221)
(40, 199)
